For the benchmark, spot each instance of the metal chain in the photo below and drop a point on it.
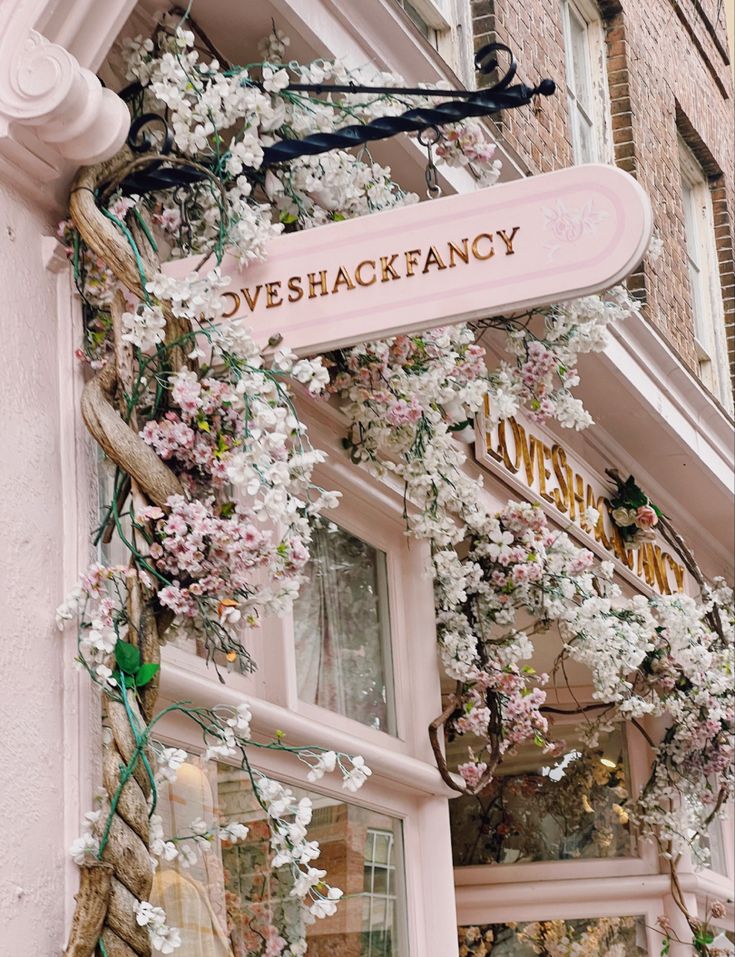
(428, 138)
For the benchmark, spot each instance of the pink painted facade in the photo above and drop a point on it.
(655, 419)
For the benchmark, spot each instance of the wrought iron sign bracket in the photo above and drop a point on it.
(456, 105)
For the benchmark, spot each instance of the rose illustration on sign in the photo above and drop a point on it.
(568, 225)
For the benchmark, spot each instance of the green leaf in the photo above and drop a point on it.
(338, 217)
(127, 657)
(145, 673)
(665, 947)
(288, 218)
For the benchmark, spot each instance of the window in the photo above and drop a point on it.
(704, 280)
(586, 72)
(222, 897)
(342, 629)
(622, 936)
(541, 808)
(418, 21)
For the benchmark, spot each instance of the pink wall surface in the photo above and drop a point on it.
(32, 795)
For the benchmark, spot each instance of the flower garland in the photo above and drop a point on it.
(213, 449)
(668, 657)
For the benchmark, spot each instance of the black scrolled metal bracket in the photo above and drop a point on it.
(457, 105)
(482, 103)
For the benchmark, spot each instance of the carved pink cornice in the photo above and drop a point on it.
(46, 92)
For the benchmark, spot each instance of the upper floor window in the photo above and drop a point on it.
(587, 96)
(419, 20)
(342, 629)
(704, 279)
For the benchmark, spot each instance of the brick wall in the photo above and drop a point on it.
(668, 72)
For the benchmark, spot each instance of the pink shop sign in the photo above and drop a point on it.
(496, 251)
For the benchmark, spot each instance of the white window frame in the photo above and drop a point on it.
(704, 276)
(595, 66)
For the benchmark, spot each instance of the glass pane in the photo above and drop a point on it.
(223, 896)
(585, 151)
(365, 924)
(541, 808)
(579, 54)
(601, 937)
(342, 629)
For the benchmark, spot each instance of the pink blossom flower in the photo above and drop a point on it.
(646, 517)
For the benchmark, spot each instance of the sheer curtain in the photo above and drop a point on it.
(342, 629)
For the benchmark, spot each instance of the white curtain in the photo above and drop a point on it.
(341, 627)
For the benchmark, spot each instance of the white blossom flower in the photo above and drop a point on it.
(145, 328)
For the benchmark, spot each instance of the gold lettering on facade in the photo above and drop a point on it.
(547, 472)
(559, 462)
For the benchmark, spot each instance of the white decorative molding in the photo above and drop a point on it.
(53, 111)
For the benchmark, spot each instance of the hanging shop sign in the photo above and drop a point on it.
(497, 251)
(536, 464)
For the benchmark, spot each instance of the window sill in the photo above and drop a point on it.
(187, 678)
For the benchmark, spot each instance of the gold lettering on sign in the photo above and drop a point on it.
(295, 290)
(234, 296)
(387, 269)
(343, 278)
(250, 299)
(412, 260)
(433, 259)
(508, 240)
(272, 296)
(463, 253)
(391, 267)
(476, 247)
(547, 471)
(359, 279)
(322, 282)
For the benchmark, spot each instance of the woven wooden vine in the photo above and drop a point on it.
(110, 889)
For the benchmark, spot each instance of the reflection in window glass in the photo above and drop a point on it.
(223, 897)
(543, 808)
(601, 937)
(379, 893)
(342, 629)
